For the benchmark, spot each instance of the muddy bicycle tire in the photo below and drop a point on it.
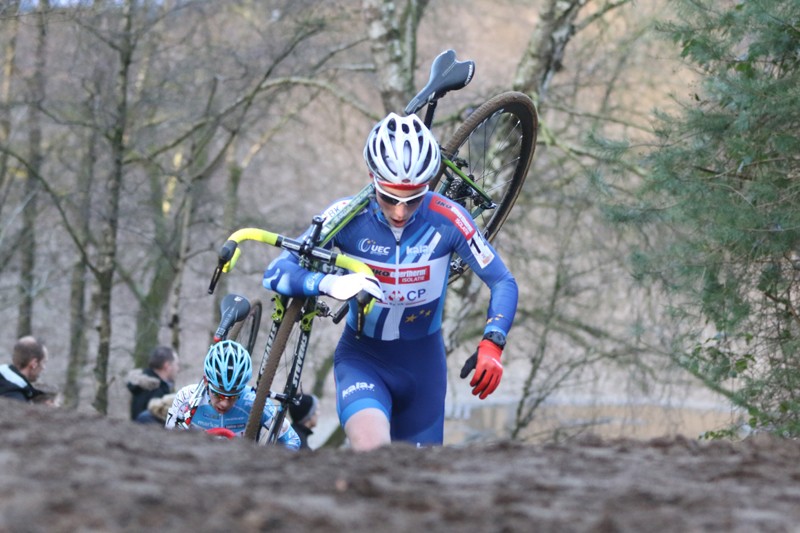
(494, 146)
(291, 316)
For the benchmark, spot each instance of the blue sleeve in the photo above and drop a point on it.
(285, 276)
(289, 439)
(484, 260)
(503, 302)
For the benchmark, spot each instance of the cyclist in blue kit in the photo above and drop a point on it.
(391, 380)
(225, 400)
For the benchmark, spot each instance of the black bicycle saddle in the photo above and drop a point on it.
(447, 74)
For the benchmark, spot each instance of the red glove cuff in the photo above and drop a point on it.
(489, 348)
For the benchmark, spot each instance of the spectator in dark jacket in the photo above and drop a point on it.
(303, 413)
(154, 381)
(28, 361)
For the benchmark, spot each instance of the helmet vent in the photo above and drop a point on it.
(401, 150)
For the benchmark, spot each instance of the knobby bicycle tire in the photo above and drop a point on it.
(494, 146)
(290, 318)
(289, 391)
(245, 332)
(292, 365)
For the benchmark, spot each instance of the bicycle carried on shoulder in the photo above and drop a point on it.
(484, 165)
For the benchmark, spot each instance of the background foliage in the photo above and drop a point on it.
(722, 191)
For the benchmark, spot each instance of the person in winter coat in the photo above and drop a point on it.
(28, 361)
(152, 382)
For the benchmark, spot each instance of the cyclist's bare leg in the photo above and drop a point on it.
(368, 429)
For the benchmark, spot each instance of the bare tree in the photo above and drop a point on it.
(79, 316)
(392, 30)
(581, 316)
(36, 90)
(9, 73)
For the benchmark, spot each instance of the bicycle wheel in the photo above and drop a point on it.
(290, 321)
(245, 331)
(493, 147)
(288, 374)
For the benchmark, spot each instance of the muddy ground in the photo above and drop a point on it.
(62, 471)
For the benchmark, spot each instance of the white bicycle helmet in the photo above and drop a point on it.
(402, 152)
(228, 368)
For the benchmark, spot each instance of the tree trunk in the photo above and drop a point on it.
(27, 287)
(9, 72)
(77, 335)
(392, 29)
(545, 51)
(151, 307)
(79, 319)
(173, 240)
(108, 247)
(229, 221)
(183, 250)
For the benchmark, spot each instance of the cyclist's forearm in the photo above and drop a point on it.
(502, 305)
(289, 438)
(503, 286)
(286, 277)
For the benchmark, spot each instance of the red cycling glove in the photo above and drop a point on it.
(488, 369)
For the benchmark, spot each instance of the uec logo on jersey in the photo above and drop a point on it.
(369, 246)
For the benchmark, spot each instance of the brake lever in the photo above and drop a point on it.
(225, 254)
(364, 301)
(215, 277)
(340, 313)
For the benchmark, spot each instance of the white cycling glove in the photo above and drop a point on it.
(347, 286)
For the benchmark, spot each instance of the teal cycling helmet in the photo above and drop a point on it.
(228, 368)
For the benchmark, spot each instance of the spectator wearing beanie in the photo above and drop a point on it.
(303, 413)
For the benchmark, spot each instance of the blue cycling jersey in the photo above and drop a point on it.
(206, 417)
(398, 364)
(413, 267)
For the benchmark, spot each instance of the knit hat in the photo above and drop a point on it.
(304, 409)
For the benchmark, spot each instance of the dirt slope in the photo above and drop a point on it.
(64, 472)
